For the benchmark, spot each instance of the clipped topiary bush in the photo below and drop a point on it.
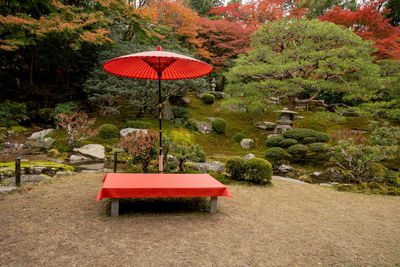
(309, 140)
(219, 125)
(180, 112)
(319, 147)
(321, 137)
(274, 153)
(274, 140)
(236, 168)
(258, 171)
(237, 137)
(208, 99)
(108, 131)
(138, 124)
(287, 142)
(299, 133)
(297, 150)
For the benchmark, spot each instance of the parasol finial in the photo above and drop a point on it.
(159, 48)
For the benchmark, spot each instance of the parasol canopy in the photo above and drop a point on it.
(147, 65)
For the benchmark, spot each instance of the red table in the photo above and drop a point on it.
(143, 185)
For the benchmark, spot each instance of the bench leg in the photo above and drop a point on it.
(114, 207)
(213, 204)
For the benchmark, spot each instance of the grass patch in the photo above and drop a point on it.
(370, 188)
(50, 164)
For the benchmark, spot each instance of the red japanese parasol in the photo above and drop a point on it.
(157, 65)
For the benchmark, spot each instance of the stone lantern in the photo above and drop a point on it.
(285, 122)
(213, 84)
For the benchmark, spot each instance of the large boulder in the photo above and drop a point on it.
(284, 169)
(40, 134)
(167, 111)
(247, 143)
(265, 125)
(126, 131)
(94, 151)
(75, 159)
(204, 127)
(204, 167)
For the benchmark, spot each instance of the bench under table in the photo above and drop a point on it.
(159, 185)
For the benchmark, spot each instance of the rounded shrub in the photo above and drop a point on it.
(321, 137)
(237, 137)
(297, 150)
(108, 131)
(208, 99)
(274, 153)
(138, 124)
(219, 125)
(299, 133)
(258, 171)
(309, 140)
(236, 168)
(319, 147)
(180, 112)
(287, 142)
(274, 140)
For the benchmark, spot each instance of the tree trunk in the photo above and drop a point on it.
(181, 162)
(292, 103)
(145, 165)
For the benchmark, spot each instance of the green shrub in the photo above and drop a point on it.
(66, 108)
(11, 123)
(287, 142)
(208, 99)
(44, 114)
(298, 133)
(219, 125)
(180, 112)
(192, 124)
(309, 140)
(236, 168)
(238, 137)
(331, 116)
(321, 137)
(319, 147)
(297, 150)
(274, 140)
(10, 110)
(138, 124)
(108, 131)
(258, 171)
(198, 154)
(275, 153)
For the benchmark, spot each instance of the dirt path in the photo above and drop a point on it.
(287, 224)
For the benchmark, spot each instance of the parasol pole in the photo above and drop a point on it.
(160, 157)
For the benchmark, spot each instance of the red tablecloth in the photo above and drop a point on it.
(131, 185)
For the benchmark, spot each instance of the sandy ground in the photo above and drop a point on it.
(288, 224)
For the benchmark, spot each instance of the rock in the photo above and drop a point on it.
(75, 158)
(37, 170)
(286, 169)
(219, 95)
(236, 107)
(183, 102)
(204, 127)
(265, 125)
(7, 189)
(325, 184)
(305, 178)
(104, 111)
(167, 112)
(248, 156)
(271, 135)
(333, 174)
(40, 134)
(44, 142)
(24, 120)
(94, 151)
(31, 178)
(210, 118)
(126, 131)
(247, 143)
(316, 174)
(298, 117)
(216, 166)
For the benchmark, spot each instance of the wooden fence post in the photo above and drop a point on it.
(115, 161)
(18, 172)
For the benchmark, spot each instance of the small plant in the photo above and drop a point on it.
(208, 99)
(140, 145)
(77, 126)
(275, 153)
(180, 112)
(138, 124)
(10, 110)
(65, 108)
(238, 137)
(274, 140)
(108, 131)
(287, 142)
(297, 150)
(236, 168)
(219, 125)
(258, 171)
(319, 148)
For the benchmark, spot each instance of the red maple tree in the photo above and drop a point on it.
(369, 23)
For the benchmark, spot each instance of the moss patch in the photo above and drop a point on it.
(30, 164)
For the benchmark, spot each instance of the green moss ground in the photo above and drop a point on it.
(11, 165)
